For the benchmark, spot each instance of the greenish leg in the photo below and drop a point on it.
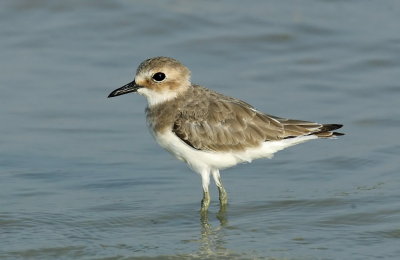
(205, 202)
(223, 196)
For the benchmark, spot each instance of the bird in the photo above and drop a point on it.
(210, 131)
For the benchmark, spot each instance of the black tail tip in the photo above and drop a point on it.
(335, 126)
(330, 128)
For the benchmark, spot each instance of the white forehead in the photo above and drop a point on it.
(142, 75)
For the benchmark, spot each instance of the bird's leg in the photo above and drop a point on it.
(205, 202)
(223, 196)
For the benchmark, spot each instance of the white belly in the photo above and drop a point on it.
(206, 160)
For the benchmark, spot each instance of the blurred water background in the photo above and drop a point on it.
(81, 177)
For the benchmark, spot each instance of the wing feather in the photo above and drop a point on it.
(215, 122)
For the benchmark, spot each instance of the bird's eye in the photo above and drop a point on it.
(159, 76)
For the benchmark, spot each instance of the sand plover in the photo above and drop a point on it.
(210, 131)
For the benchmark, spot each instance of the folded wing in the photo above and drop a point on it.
(223, 124)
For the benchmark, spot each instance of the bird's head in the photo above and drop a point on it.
(159, 79)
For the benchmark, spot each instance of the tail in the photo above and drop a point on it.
(326, 131)
(293, 128)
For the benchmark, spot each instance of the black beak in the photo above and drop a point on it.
(130, 87)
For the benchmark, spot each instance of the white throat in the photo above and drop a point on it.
(155, 98)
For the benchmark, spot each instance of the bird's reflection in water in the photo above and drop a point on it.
(212, 241)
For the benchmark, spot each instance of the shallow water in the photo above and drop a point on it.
(81, 177)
